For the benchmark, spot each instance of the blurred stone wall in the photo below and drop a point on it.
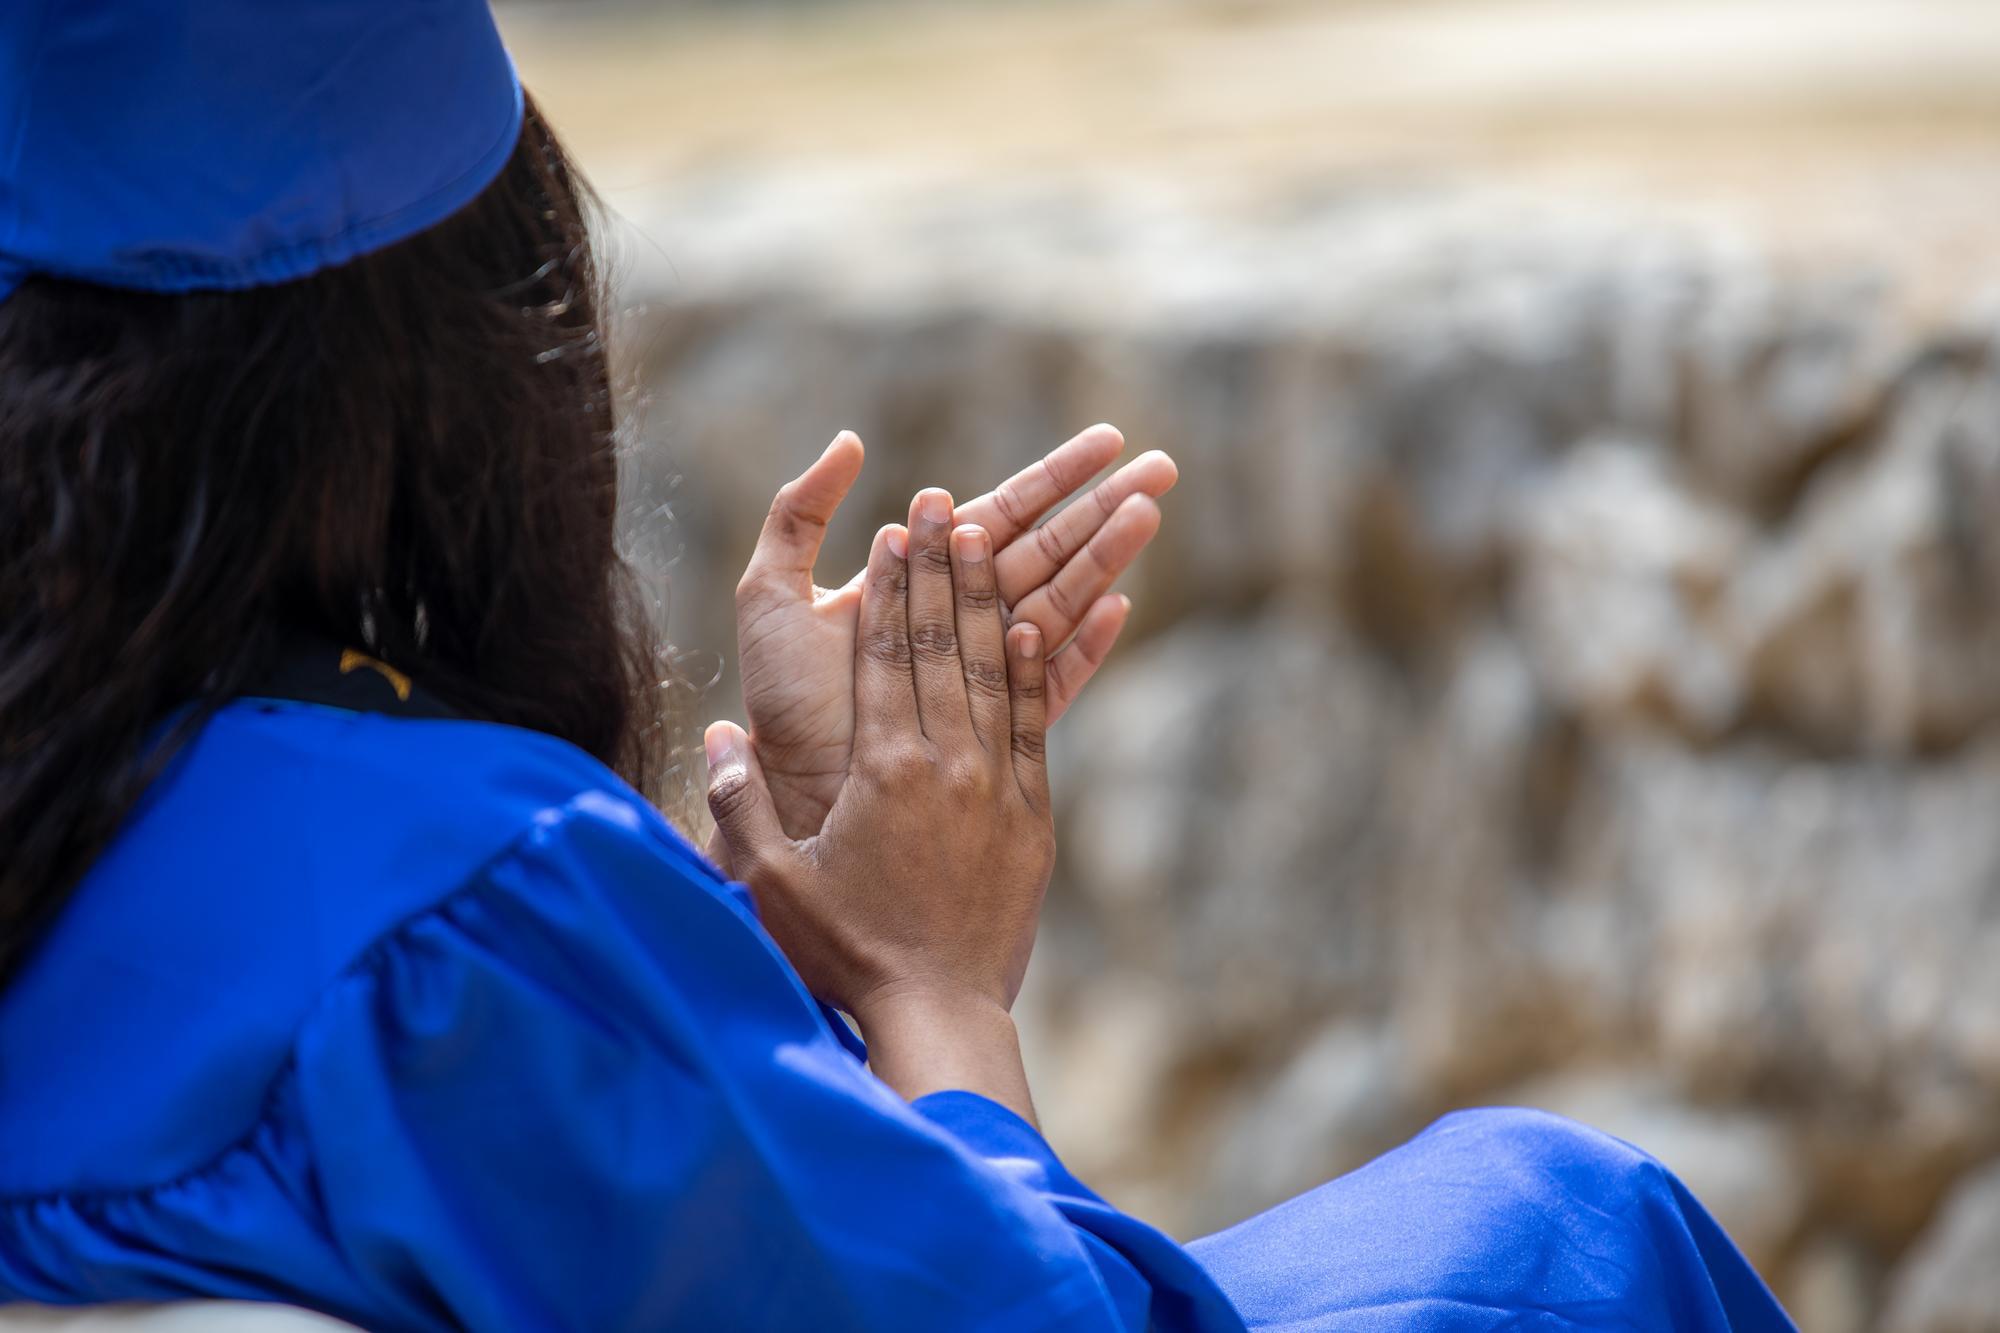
(1568, 676)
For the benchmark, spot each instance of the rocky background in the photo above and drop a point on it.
(1570, 672)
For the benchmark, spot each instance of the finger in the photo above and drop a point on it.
(1058, 606)
(1027, 685)
(982, 636)
(942, 709)
(1034, 559)
(1011, 508)
(746, 819)
(1071, 668)
(885, 700)
(796, 525)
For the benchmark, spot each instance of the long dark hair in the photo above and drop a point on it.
(411, 453)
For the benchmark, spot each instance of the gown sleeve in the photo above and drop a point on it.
(586, 1091)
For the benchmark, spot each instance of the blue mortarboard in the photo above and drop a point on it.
(175, 145)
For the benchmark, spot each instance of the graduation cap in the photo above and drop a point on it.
(180, 145)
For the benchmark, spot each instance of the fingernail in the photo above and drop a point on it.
(972, 543)
(935, 506)
(1031, 644)
(720, 742)
(898, 538)
(1126, 602)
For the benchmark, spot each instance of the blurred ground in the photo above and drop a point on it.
(1570, 674)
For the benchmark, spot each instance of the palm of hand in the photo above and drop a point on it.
(798, 692)
(797, 639)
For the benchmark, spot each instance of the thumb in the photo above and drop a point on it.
(786, 548)
(746, 820)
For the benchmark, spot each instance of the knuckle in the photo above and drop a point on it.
(986, 674)
(1008, 501)
(934, 639)
(730, 796)
(982, 597)
(1063, 601)
(886, 645)
(1052, 481)
(893, 583)
(933, 557)
(967, 779)
(784, 523)
(1031, 746)
(897, 765)
(1049, 541)
(874, 766)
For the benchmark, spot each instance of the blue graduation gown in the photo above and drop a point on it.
(432, 1024)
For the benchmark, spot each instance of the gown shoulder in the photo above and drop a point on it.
(274, 849)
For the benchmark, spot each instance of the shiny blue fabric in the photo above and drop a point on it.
(170, 145)
(434, 1024)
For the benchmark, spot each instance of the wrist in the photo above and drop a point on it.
(930, 1006)
(924, 1039)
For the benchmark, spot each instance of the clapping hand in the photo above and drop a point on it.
(797, 638)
